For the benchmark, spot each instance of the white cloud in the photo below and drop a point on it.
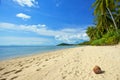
(68, 35)
(28, 3)
(11, 40)
(23, 16)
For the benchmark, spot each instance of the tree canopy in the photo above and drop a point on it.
(107, 20)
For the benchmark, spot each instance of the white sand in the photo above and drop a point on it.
(69, 64)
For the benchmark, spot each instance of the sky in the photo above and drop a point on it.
(44, 22)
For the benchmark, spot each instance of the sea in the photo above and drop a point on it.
(9, 52)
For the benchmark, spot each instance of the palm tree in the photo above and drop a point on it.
(103, 23)
(104, 8)
(91, 32)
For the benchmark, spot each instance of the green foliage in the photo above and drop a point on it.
(94, 33)
(102, 10)
(85, 43)
(109, 38)
(91, 31)
(107, 19)
(98, 42)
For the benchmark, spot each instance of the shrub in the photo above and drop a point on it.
(85, 43)
(98, 42)
(109, 38)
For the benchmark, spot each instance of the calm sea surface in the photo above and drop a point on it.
(8, 52)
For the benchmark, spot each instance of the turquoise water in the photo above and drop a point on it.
(8, 52)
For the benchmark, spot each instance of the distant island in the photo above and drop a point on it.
(65, 44)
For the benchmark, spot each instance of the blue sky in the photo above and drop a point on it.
(44, 22)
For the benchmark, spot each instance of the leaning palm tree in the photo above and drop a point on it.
(105, 7)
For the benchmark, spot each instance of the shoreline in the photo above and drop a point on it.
(30, 55)
(33, 53)
(66, 64)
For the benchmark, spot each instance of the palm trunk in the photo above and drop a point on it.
(113, 19)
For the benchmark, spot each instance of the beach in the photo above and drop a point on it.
(67, 64)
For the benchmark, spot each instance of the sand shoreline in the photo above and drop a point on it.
(31, 55)
(67, 64)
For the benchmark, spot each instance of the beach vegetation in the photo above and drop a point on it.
(106, 30)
